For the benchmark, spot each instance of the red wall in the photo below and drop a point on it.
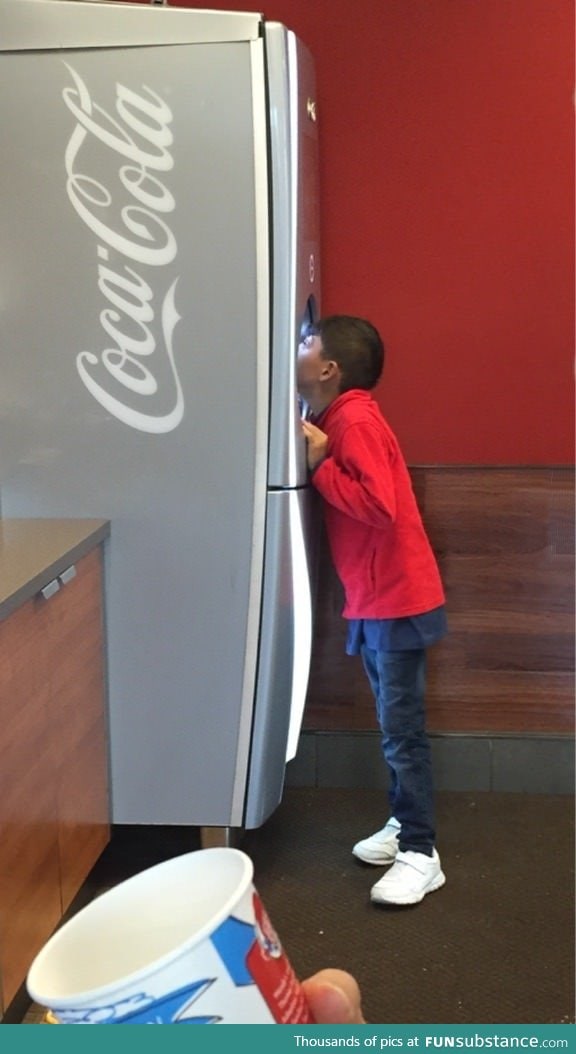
(447, 212)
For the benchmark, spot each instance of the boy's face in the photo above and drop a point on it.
(310, 367)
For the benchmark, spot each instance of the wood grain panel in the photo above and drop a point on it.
(53, 763)
(75, 632)
(504, 540)
(29, 864)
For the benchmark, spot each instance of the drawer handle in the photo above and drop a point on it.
(50, 589)
(68, 575)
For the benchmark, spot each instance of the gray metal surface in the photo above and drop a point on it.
(46, 24)
(286, 645)
(295, 242)
(134, 357)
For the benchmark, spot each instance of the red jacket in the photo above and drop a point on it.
(379, 547)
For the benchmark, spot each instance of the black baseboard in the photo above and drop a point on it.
(535, 764)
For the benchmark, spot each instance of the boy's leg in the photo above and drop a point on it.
(369, 659)
(398, 682)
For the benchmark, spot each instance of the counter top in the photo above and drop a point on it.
(34, 551)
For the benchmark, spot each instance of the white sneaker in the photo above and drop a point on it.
(380, 848)
(409, 880)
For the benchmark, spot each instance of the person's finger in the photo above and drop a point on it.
(334, 998)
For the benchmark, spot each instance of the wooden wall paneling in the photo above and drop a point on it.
(561, 513)
(504, 540)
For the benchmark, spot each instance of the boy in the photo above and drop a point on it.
(394, 597)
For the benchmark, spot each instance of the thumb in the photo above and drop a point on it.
(334, 998)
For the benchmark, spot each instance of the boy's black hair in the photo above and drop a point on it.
(355, 345)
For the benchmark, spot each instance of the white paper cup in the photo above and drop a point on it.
(185, 942)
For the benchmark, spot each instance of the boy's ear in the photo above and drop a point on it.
(330, 370)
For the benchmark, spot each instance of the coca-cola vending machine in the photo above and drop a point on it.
(158, 267)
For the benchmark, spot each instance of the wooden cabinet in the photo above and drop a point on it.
(54, 813)
(30, 904)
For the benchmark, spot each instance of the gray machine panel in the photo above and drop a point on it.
(46, 24)
(135, 381)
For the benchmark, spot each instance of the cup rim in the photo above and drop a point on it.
(55, 1002)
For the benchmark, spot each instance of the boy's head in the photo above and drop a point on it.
(340, 352)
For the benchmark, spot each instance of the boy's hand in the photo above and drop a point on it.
(316, 442)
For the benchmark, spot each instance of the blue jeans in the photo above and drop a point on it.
(398, 680)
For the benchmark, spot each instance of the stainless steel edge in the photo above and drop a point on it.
(295, 244)
(34, 25)
(301, 520)
(282, 464)
(262, 429)
(285, 647)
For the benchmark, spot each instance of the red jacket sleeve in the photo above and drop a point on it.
(356, 476)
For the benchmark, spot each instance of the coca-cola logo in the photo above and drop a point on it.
(134, 377)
